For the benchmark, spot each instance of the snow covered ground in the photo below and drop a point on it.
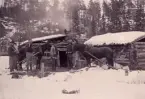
(95, 83)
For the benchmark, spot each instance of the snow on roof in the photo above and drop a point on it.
(44, 38)
(116, 38)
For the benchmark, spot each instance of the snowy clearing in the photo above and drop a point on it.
(95, 83)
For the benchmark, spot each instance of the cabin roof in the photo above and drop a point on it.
(116, 38)
(44, 38)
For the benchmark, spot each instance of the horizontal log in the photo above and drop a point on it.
(62, 49)
(139, 43)
(122, 61)
(119, 62)
(139, 55)
(141, 63)
(140, 47)
(141, 66)
(141, 60)
(139, 50)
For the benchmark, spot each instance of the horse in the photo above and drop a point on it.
(90, 52)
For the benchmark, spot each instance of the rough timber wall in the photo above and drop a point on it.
(140, 48)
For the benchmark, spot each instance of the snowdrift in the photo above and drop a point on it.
(93, 83)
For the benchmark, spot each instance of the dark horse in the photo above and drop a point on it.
(90, 52)
(22, 54)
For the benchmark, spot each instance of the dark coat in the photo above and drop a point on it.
(29, 49)
(11, 51)
(69, 48)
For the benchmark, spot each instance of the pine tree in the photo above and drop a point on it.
(107, 16)
(95, 13)
(103, 26)
(139, 19)
(2, 30)
(75, 20)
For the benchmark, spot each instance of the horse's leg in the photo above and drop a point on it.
(20, 66)
(27, 65)
(38, 66)
(38, 63)
(31, 64)
(88, 62)
(110, 62)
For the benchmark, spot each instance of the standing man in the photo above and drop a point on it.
(39, 57)
(29, 55)
(53, 53)
(12, 52)
(70, 55)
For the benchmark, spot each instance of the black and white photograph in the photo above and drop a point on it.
(72, 49)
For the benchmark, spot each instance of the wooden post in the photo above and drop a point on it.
(126, 70)
(42, 70)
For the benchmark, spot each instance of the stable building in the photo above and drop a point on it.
(122, 43)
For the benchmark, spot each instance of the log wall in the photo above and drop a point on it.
(121, 54)
(140, 48)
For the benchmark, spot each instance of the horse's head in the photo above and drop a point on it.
(88, 47)
(79, 47)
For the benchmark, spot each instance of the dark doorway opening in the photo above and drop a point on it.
(63, 58)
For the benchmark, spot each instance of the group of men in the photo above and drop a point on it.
(72, 57)
(13, 52)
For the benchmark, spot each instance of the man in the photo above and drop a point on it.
(39, 56)
(29, 55)
(70, 55)
(20, 56)
(12, 52)
(53, 53)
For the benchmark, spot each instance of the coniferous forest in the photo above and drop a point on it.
(24, 19)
